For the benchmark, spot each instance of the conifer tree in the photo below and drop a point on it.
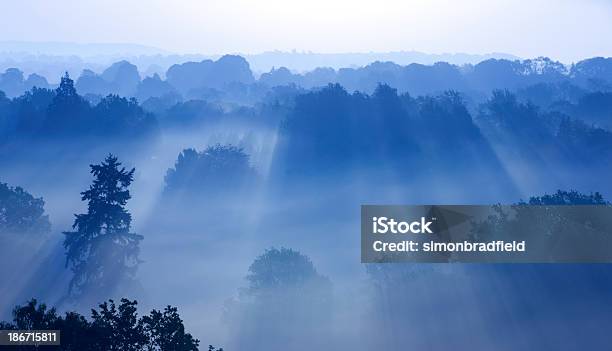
(101, 250)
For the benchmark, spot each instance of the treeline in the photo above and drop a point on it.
(230, 79)
(205, 91)
(332, 130)
(62, 114)
(110, 327)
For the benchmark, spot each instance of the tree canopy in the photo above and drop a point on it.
(111, 327)
(101, 250)
(216, 170)
(21, 213)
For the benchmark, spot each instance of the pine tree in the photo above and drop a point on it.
(68, 113)
(66, 88)
(101, 250)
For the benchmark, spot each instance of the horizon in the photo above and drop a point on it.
(166, 52)
(35, 57)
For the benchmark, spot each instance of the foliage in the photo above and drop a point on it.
(20, 212)
(67, 102)
(586, 144)
(118, 116)
(286, 300)
(332, 131)
(218, 169)
(550, 225)
(572, 197)
(281, 269)
(504, 113)
(166, 331)
(62, 113)
(102, 251)
(112, 327)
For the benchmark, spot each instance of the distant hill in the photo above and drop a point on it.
(308, 61)
(51, 59)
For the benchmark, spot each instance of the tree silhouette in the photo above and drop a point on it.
(34, 316)
(165, 331)
(287, 302)
(31, 110)
(119, 117)
(552, 223)
(67, 111)
(282, 269)
(217, 170)
(101, 251)
(118, 327)
(20, 212)
(112, 327)
(572, 197)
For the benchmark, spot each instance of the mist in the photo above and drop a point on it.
(247, 193)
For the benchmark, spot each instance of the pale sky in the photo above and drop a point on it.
(567, 30)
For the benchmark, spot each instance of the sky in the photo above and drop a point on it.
(567, 30)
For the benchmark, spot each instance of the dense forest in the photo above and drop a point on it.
(236, 199)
